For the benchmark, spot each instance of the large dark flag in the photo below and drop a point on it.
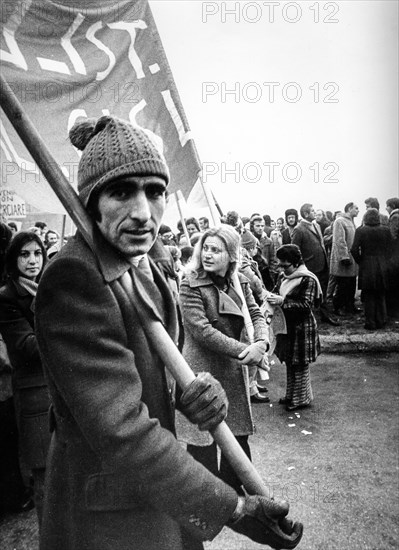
(71, 59)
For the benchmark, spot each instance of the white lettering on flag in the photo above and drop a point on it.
(66, 61)
(66, 43)
(101, 75)
(170, 105)
(131, 29)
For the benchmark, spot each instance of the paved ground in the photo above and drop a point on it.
(341, 479)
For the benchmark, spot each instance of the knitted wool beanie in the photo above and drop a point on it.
(112, 148)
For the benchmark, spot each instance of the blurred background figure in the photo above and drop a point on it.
(203, 223)
(372, 202)
(36, 230)
(24, 263)
(267, 228)
(167, 236)
(291, 221)
(342, 265)
(233, 218)
(322, 220)
(372, 250)
(42, 226)
(14, 496)
(13, 227)
(51, 238)
(393, 288)
(276, 235)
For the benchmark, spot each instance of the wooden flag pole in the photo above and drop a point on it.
(179, 201)
(156, 333)
(63, 231)
(211, 204)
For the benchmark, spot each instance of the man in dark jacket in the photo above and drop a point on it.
(307, 235)
(266, 256)
(392, 206)
(117, 477)
(291, 219)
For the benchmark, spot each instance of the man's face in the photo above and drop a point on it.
(203, 224)
(319, 215)
(291, 220)
(311, 215)
(131, 210)
(191, 229)
(354, 211)
(258, 228)
(52, 239)
(167, 237)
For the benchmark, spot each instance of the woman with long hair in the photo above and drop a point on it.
(217, 341)
(298, 291)
(24, 262)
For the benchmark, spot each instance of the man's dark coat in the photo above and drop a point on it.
(117, 477)
(310, 241)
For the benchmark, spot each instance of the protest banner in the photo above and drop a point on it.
(73, 59)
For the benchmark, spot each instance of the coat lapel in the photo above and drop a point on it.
(227, 305)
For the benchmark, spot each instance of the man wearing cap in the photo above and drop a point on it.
(117, 477)
(291, 220)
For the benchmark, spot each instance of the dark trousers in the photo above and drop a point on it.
(375, 309)
(322, 310)
(13, 492)
(345, 293)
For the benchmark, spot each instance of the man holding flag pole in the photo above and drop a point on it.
(117, 477)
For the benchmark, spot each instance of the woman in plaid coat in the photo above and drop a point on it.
(299, 290)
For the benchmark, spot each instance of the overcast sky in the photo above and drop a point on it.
(288, 102)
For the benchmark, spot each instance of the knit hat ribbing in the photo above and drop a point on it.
(112, 148)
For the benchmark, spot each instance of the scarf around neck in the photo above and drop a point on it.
(28, 285)
(292, 281)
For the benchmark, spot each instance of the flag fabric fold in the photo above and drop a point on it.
(70, 59)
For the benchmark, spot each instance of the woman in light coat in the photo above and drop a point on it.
(216, 339)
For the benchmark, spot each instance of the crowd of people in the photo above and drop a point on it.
(76, 351)
(344, 258)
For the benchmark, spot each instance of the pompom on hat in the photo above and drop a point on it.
(113, 148)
